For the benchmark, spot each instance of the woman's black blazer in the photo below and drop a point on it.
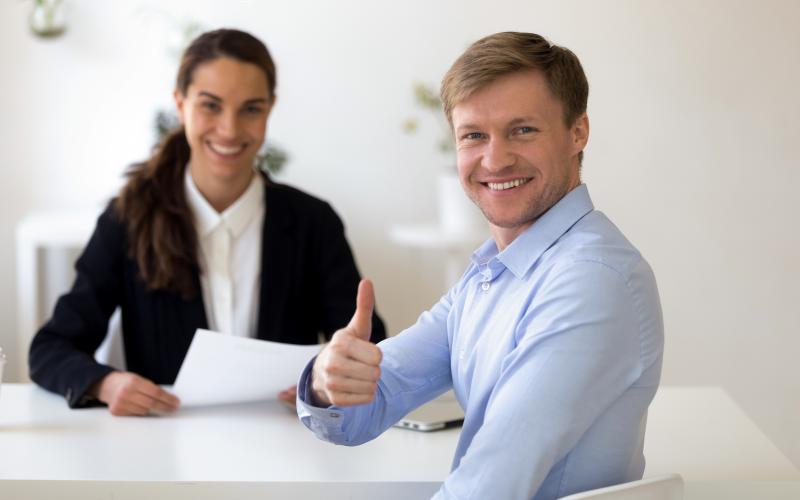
(309, 282)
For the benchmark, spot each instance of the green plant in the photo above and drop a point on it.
(427, 99)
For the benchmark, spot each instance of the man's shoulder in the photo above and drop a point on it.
(595, 239)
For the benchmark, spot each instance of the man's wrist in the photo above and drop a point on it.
(315, 399)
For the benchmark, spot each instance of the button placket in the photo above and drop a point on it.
(221, 283)
(486, 272)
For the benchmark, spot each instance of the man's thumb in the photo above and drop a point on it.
(361, 324)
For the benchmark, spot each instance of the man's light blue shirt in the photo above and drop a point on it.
(553, 348)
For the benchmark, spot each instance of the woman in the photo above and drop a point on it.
(198, 239)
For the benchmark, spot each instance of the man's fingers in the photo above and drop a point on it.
(350, 368)
(346, 346)
(350, 399)
(361, 324)
(335, 384)
(366, 352)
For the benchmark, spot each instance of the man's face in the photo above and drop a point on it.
(516, 157)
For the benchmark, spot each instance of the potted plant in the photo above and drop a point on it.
(456, 212)
(46, 19)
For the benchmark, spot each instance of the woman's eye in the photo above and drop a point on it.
(253, 110)
(210, 105)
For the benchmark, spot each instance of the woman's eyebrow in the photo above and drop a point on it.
(209, 95)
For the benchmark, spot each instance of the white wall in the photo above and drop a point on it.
(693, 153)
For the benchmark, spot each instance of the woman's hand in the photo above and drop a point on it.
(126, 393)
(288, 396)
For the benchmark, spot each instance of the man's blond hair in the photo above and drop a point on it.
(509, 52)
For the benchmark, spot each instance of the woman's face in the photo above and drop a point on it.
(224, 113)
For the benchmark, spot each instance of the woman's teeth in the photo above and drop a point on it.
(225, 150)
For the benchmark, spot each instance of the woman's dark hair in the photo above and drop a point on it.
(161, 234)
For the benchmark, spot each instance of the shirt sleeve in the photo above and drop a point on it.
(578, 350)
(415, 369)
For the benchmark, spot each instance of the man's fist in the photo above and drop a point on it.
(346, 372)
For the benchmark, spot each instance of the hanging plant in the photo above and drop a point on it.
(47, 19)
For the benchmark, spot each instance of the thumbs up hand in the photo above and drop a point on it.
(347, 370)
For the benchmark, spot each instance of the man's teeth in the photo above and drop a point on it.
(225, 150)
(500, 186)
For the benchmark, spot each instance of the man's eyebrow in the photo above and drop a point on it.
(521, 119)
(466, 126)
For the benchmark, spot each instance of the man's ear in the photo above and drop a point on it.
(580, 133)
(180, 99)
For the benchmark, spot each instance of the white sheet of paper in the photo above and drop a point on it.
(221, 369)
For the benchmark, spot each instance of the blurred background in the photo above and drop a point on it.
(694, 148)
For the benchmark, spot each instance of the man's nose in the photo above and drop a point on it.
(497, 155)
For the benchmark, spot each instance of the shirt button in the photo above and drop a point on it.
(485, 286)
(333, 415)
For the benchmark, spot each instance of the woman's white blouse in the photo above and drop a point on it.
(230, 257)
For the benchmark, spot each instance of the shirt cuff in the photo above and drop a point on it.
(325, 423)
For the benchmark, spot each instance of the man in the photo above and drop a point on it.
(552, 339)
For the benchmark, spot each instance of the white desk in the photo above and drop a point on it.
(698, 432)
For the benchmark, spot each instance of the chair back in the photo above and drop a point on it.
(669, 487)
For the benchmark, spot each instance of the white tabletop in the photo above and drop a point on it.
(252, 442)
(698, 432)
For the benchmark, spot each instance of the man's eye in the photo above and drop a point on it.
(472, 136)
(523, 130)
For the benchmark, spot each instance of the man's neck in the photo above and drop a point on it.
(504, 236)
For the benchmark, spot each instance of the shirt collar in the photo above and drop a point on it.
(526, 248)
(236, 217)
